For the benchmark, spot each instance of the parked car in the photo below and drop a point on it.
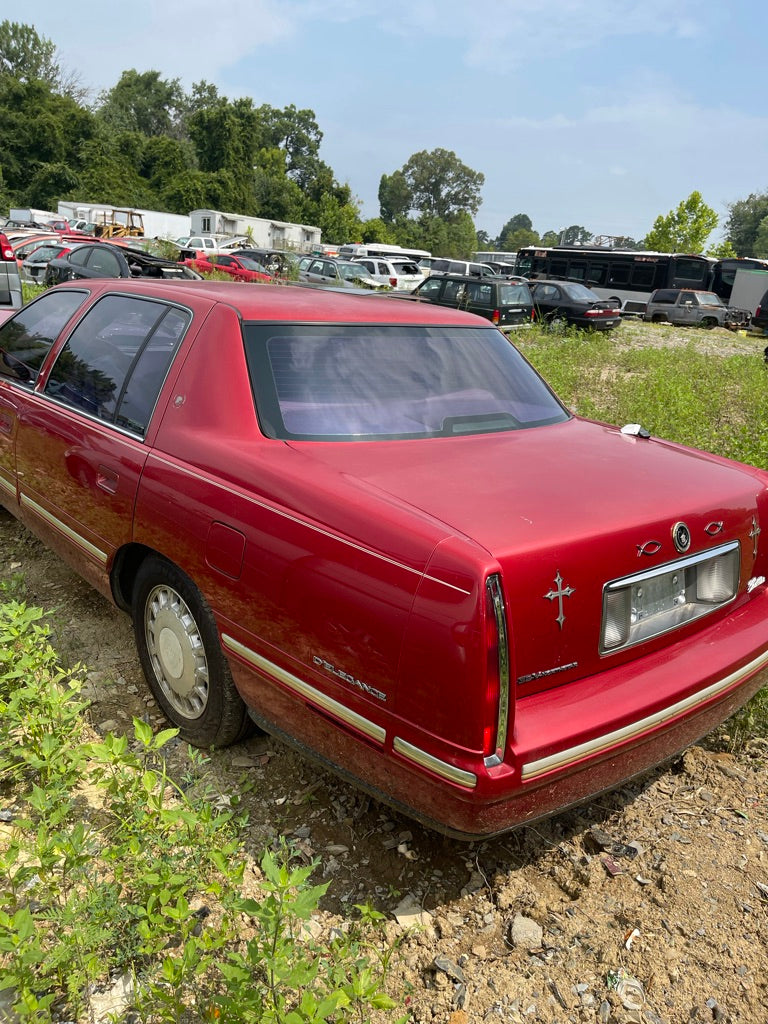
(34, 266)
(24, 245)
(336, 273)
(399, 550)
(240, 268)
(277, 262)
(10, 280)
(502, 268)
(466, 268)
(686, 306)
(392, 272)
(573, 303)
(87, 260)
(508, 304)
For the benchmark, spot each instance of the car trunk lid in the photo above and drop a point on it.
(564, 510)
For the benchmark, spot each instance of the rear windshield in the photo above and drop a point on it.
(512, 294)
(361, 383)
(406, 268)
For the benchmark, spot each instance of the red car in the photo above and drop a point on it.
(241, 268)
(371, 528)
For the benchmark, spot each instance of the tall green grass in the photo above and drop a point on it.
(714, 402)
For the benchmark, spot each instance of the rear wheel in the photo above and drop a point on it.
(658, 318)
(182, 659)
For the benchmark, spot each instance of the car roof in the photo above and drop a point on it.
(283, 303)
(473, 278)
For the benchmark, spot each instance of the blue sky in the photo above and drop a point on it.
(603, 114)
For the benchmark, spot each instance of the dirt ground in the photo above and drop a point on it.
(647, 905)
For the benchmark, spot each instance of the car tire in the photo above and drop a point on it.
(658, 318)
(181, 656)
(709, 322)
(557, 323)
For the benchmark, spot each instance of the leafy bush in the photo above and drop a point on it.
(108, 869)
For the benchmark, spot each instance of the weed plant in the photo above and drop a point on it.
(109, 870)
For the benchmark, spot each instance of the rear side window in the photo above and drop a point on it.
(26, 338)
(481, 293)
(104, 262)
(430, 288)
(116, 359)
(665, 296)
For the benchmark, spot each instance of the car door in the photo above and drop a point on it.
(316, 272)
(80, 447)
(226, 264)
(25, 341)
(687, 308)
(547, 300)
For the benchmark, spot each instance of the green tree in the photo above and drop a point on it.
(441, 185)
(224, 138)
(521, 221)
(27, 56)
(721, 251)
(575, 235)
(143, 102)
(338, 221)
(297, 133)
(163, 157)
(395, 198)
(455, 236)
(276, 194)
(38, 127)
(744, 220)
(684, 229)
(550, 238)
(375, 230)
(49, 183)
(760, 248)
(518, 231)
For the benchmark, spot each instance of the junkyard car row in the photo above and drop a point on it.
(369, 527)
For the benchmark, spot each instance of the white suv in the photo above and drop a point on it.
(463, 267)
(397, 272)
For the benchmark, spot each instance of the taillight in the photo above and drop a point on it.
(758, 311)
(495, 316)
(393, 282)
(5, 248)
(496, 702)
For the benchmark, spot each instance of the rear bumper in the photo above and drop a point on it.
(566, 744)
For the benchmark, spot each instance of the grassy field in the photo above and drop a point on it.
(702, 388)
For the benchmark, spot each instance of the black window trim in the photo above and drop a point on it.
(75, 410)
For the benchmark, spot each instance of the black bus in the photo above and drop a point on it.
(624, 276)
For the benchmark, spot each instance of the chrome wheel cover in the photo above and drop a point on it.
(176, 652)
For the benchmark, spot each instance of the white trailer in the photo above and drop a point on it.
(26, 215)
(157, 224)
(749, 286)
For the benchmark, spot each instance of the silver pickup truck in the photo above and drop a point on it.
(686, 306)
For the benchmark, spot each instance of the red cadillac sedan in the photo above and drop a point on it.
(371, 528)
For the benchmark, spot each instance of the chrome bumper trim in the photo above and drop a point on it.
(564, 758)
(322, 700)
(434, 764)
